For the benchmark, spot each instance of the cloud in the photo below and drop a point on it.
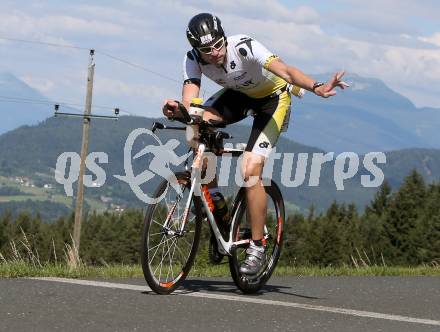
(135, 98)
(434, 39)
(375, 38)
(406, 65)
(429, 9)
(267, 10)
(114, 87)
(412, 72)
(381, 22)
(43, 85)
(26, 25)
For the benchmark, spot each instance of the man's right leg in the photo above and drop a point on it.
(211, 114)
(228, 106)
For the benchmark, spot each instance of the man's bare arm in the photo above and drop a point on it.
(293, 75)
(189, 91)
(290, 74)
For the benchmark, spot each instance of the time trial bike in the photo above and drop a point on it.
(172, 226)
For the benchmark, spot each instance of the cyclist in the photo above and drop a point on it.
(253, 78)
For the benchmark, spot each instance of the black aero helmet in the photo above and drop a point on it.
(204, 29)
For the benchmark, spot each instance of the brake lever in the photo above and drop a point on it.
(157, 125)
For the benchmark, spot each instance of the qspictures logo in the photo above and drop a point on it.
(346, 166)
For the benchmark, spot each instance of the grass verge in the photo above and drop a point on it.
(23, 269)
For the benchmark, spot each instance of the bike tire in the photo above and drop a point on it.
(246, 284)
(154, 237)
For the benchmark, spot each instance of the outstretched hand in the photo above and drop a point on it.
(327, 90)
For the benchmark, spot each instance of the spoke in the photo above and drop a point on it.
(183, 243)
(154, 255)
(170, 256)
(184, 257)
(160, 265)
(161, 242)
(161, 233)
(168, 271)
(171, 259)
(189, 244)
(163, 257)
(161, 225)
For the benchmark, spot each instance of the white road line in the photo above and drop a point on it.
(246, 299)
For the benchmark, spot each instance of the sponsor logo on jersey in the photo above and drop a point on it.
(239, 77)
(247, 83)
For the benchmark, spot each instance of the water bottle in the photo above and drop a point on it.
(221, 213)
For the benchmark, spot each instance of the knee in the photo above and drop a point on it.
(252, 166)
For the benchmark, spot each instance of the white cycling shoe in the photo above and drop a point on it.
(254, 261)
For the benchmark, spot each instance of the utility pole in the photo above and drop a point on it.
(84, 152)
(87, 117)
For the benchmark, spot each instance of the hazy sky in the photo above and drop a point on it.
(397, 41)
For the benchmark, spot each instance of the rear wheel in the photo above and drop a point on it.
(241, 230)
(167, 254)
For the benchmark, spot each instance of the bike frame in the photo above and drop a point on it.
(224, 247)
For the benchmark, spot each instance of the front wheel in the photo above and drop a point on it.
(273, 231)
(167, 254)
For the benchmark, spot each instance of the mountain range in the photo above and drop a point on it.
(32, 151)
(367, 117)
(20, 104)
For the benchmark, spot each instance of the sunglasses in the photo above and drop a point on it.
(209, 49)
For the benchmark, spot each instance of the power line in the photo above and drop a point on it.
(138, 66)
(48, 102)
(43, 43)
(134, 65)
(85, 48)
(21, 102)
(15, 100)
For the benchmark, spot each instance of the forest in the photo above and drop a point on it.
(397, 228)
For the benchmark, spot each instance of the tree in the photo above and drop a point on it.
(401, 221)
(427, 233)
(381, 199)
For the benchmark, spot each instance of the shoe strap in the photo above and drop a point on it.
(254, 253)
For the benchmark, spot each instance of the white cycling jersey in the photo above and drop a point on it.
(244, 69)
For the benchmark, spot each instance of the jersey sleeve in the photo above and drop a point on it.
(255, 51)
(191, 69)
(262, 55)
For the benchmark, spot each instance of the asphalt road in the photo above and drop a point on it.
(286, 304)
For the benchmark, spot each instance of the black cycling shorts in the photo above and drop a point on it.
(271, 116)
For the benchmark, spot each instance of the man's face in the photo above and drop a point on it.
(216, 57)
